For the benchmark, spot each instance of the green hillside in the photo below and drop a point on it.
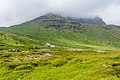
(65, 32)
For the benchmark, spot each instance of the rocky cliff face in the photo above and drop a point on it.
(58, 21)
(96, 20)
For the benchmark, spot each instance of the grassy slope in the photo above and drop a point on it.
(89, 36)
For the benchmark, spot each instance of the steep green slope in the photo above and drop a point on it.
(64, 32)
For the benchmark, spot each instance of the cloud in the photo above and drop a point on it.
(18, 11)
(111, 15)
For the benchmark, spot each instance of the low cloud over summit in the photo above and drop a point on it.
(18, 11)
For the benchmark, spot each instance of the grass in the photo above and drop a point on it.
(60, 64)
(33, 33)
(86, 52)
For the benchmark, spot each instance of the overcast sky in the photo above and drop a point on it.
(17, 11)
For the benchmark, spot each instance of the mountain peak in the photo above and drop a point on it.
(95, 20)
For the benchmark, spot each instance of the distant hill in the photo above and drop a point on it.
(64, 31)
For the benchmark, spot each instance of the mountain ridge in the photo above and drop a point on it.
(95, 20)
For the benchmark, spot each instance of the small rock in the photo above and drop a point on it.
(46, 50)
(14, 50)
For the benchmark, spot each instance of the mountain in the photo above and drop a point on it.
(96, 20)
(63, 31)
(84, 50)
